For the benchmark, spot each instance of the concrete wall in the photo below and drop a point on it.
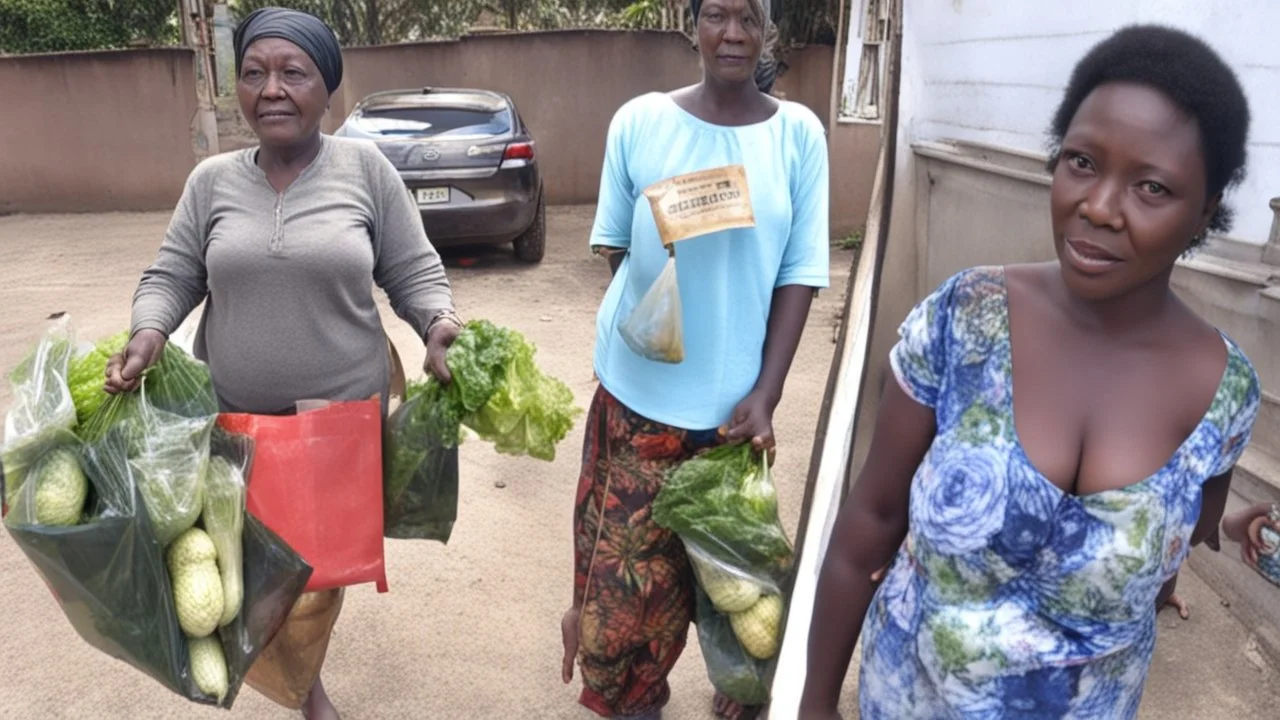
(568, 84)
(95, 131)
(131, 153)
(853, 148)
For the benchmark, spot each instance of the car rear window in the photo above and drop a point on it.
(434, 122)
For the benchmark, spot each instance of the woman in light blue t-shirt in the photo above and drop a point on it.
(745, 295)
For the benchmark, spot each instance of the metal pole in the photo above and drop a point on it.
(204, 126)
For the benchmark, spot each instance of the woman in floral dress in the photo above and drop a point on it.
(1059, 434)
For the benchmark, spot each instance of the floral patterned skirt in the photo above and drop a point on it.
(631, 577)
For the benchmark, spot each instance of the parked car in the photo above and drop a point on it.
(468, 160)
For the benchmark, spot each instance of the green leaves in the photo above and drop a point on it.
(499, 392)
(724, 501)
(37, 26)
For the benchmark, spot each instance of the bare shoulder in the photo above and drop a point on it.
(1035, 290)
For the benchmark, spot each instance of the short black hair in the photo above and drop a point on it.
(1187, 71)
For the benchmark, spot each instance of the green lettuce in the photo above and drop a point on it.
(87, 374)
(177, 383)
(724, 502)
(498, 391)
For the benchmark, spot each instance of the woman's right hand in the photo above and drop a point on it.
(124, 370)
(1245, 527)
(1255, 544)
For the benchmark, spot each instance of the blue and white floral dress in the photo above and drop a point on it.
(1011, 598)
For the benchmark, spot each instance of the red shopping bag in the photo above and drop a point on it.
(316, 481)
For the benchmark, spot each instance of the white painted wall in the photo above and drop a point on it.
(993, 71)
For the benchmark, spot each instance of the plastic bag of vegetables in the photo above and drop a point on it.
(111, 578)
(168, 453)
(178, 383)
(420, 473)
(42, 418)
(731, 669)
(499, 393)
(724, 506)
(655, 328)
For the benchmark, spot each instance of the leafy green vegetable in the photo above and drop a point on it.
(87, 373)
(420, 474)
(177, 383)
(180, 384)
(529, 413)
(166, 425)
(42, 413)
(499, 392)
(724, 502)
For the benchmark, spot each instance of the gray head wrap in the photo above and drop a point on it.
(696, 7)
(302, 29)
(767, 68)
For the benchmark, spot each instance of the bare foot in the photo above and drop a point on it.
(570, 630)
(317, 705)
(1184, 612)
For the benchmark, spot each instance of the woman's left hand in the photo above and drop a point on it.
(752, 421)
(439, 338)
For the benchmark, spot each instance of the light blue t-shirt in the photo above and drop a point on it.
(726, 279)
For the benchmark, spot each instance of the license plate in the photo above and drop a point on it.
(432, 196)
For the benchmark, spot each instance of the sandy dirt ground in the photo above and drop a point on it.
(470, 630)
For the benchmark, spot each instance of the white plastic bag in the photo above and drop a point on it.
(655, 328)
(43, 416)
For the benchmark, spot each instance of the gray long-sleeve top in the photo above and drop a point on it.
(288, 277)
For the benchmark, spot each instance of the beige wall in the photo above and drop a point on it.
(853, 148)
(135, 153)
(568, 84)
(95, 131)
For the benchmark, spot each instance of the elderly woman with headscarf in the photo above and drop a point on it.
(746, 294)
(283, 242)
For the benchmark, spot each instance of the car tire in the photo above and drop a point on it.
(532, 244)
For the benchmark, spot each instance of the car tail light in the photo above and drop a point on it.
(518, 151)
(517, 155)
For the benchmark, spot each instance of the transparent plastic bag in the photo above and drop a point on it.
(109, 577)
(168, 453)
(222, 513)
(655, 328)
(419, 476)
(724, 506)
(42, 415)
(54, 490)
(729, 668)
